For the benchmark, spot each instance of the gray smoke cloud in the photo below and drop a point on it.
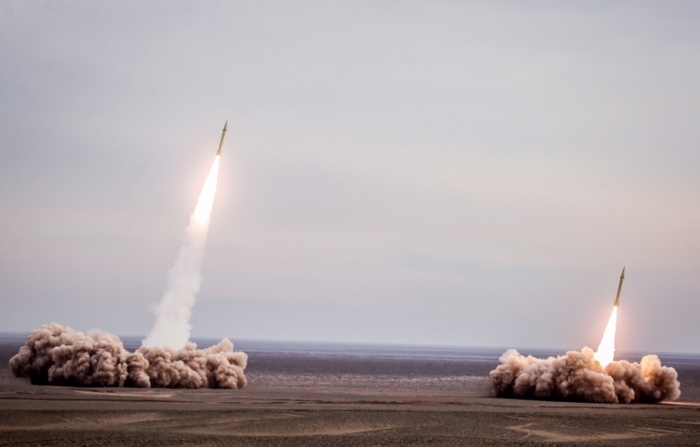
(59, 355)
(577, 376)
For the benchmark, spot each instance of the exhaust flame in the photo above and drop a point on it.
(205, 203)
(172, 326)
(606, 349)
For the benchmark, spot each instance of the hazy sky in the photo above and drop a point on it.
(460, 173)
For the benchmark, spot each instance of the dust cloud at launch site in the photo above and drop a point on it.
(58, 355)
(577, 376)
(587, 375)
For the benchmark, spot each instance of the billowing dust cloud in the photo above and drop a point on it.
(58, 355)
(577, 376)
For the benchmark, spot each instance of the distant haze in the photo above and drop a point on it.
(393, 172)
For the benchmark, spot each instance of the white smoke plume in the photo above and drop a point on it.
(577, 376)
(172, 326)
(58, 355)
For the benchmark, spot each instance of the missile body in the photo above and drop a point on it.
(619, 288)
(223, 134)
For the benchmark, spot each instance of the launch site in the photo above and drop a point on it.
(302, 394)
(348, 223)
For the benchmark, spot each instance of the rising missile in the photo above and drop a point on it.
(619, 288)
(223, 134)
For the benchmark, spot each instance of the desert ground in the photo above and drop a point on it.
(291, 406)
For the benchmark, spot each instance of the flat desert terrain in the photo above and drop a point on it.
(322, 398)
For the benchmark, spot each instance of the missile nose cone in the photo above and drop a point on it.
(225, 125)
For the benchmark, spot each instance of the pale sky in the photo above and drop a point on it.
(456, 173)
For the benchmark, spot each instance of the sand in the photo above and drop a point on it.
(297, 412)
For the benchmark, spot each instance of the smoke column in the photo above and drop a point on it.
(172, 325)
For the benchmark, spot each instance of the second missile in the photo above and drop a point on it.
(619, 288)
(223, 134)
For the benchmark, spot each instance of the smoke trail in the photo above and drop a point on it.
(172, 325)
(58, 355)
(577, 376)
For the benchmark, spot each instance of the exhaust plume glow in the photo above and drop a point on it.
(205, 203)
(172, 326)
(606, 349)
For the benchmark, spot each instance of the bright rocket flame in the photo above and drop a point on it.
(606, 349)
(205, 203)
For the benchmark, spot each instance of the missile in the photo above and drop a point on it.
(223, 134)
(619, 288)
